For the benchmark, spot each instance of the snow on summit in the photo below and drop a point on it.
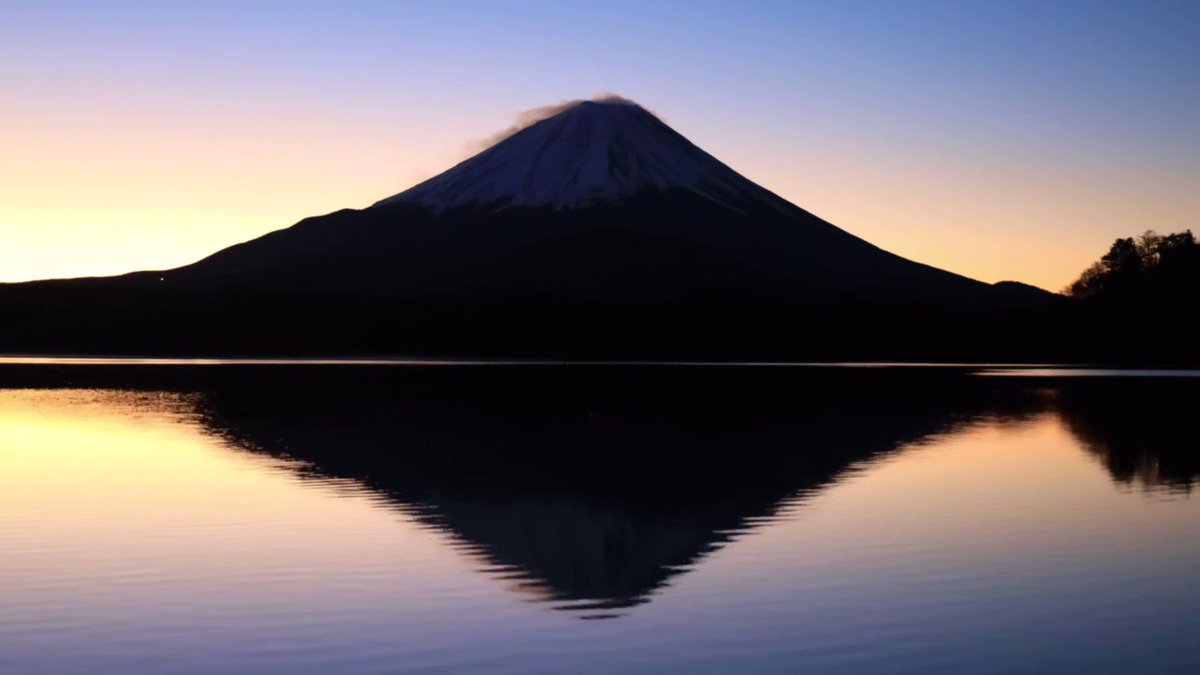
(587, 152)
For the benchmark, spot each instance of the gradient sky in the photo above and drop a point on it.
(1001, 140)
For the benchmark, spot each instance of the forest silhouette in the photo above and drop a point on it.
(1150, 268)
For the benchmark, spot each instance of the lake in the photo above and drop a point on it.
(274, 517)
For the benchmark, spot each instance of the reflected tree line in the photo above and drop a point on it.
(1143, 440)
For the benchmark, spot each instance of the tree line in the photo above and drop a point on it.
(1149, 268)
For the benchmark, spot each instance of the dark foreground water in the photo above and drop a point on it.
(372, 519)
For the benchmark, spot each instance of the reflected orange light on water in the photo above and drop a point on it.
(108, 485)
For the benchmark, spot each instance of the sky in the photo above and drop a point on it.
(1000, 140)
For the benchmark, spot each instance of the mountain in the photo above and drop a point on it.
(601, 199)
(589, 152)
(596, 230)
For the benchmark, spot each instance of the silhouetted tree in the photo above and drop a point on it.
(1150, 267)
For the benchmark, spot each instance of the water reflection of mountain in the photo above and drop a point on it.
(594, 495)
(594, 487)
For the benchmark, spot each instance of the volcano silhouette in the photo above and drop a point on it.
(601, 200)
(597, 231)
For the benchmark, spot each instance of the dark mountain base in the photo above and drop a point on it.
(96, 320)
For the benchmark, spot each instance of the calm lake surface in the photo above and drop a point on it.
(375, 519)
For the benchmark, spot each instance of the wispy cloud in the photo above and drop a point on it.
(527, 118)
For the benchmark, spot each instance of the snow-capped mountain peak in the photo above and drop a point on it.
(588, 152)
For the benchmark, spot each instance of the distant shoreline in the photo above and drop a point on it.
(991, 369)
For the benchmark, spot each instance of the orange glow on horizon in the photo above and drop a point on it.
(153, 194)
(998, 141)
